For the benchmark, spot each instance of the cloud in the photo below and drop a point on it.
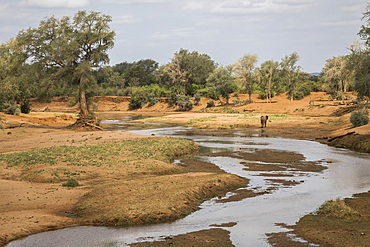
(174, 34)
(135, 1)
(124, 19)
(259, 6)
(57, 3)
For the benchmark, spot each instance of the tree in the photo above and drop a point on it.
(176, 73)
(243, 69)
(359, 60)
(337, 75)
(70, 49)
(291, 73)
(198, 66)
(268, 75)
(221, 81)
(138, 73)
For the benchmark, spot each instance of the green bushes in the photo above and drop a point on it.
(184, 103)
(210, 103)
(359, 117)
(71, 182)
(11, 108)
(137, 102)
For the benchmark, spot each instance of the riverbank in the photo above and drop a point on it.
(125, 179)
(45, 206)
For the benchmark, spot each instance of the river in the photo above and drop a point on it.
(348, 173)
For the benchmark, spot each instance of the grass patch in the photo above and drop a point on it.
(339, 210)
(338, 223)
(128, 157)
(193, 122)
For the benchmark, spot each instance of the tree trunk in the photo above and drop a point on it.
(83, 103)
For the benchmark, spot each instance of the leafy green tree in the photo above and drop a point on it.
(337, 74)
(221, 81)
(359, 60)
(138, 73)
(243, 69)
(69, 49)
(177, 75)
(15, 77)
(268, 75)
(198, 66)
(291, 73)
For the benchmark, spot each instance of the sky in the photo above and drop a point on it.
(226, 30)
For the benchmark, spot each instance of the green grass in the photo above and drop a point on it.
(191, 122)
(101, 154)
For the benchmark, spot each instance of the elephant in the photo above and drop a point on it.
(264, 120)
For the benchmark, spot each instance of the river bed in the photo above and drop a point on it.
(348, 173)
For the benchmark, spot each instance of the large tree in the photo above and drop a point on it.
(268, 74)
(243, 69)
(360, 59)
(337, 74)
(291, 72)
(221, 81)
(70, 49)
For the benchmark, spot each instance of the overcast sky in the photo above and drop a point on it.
(224, 29)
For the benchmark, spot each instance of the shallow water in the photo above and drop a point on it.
(348, 173)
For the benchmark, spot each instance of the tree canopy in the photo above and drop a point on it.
(68, 49)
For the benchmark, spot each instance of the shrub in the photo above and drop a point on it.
(210, 103)
(172, 99)
(339, 210)
(26, 107)
(136, 102)
(184, 103)
(11, 108)
(72, 102)
(71, 182)
(152, 99)
(197, 98)
(359, 117)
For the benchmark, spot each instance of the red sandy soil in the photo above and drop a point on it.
(28, 208)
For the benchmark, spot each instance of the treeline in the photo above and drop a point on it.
(66, 58)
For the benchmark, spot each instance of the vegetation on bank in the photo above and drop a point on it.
(338, 223)
(71, 61)
(130, 181)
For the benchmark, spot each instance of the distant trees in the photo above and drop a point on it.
(268, 77)
(189, 69)
(291, 73)
(243, 69)
(221, 82)
(337, 75)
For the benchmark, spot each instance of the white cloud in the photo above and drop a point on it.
(134, 1)
(57, 3)
(124, 19)
(174, 34)
(259, 6)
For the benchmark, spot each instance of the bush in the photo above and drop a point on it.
(172, 99)
(26, 107)
(71, 182)
(152, 99)
(11, 108)
(339, 210)
(136, 102)
(197, 98)
(210, 103)
(184, 103)
(359, 117)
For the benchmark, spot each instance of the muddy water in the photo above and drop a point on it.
(348, 173)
